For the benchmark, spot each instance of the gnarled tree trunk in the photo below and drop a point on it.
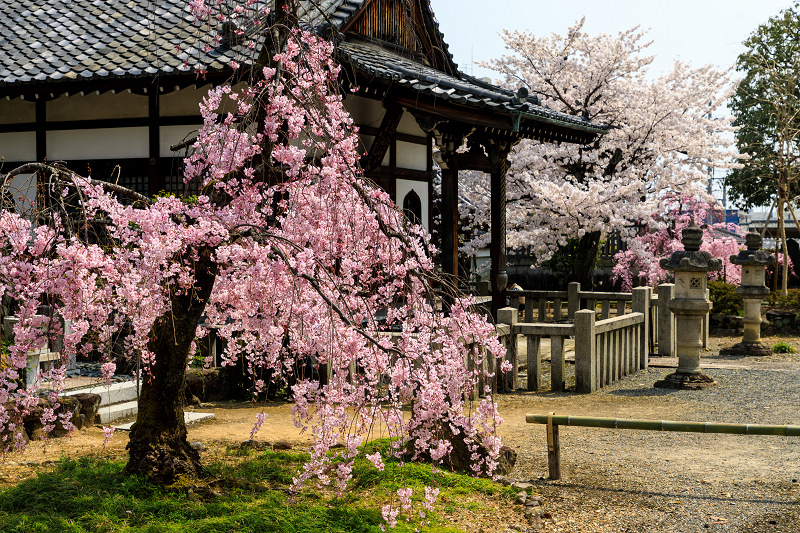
(158, 447)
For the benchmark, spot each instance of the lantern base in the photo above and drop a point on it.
(747, 348)
(681, 381)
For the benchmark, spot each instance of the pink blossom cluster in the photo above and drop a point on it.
(639, 264)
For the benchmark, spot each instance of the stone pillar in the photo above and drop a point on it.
(753, 261)
(690, 305)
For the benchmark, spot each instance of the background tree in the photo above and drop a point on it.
(767, 108)
(662, 139)
(662, 235)
(287, 247)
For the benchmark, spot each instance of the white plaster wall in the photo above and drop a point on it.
(185, 102)
(403, 187)
(19, 147)
(106, 143)
(23, 187)
(408, 124)
(169, 135)
(412, 156)
(16, 111)
(93, 106)
(365, 112)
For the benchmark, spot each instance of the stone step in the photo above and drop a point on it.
(110, 394)
(189, 417)
(109, 413)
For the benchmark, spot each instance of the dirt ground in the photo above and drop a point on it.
(232, 424)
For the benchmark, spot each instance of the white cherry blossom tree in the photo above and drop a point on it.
(663, 137)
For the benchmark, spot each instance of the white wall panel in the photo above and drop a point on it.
(408, 124)
(413, 156)
(93, 106)
(105, 143)
(170, 135)
(16, 111)
(18, 146)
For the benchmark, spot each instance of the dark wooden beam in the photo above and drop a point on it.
(404, 137)
(41, 130)
(441, 108)
(468, 161)
(384, 138)
(156, 180)
(102, 123)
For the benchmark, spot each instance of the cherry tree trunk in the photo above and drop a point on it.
(158, 447)
(586, 259)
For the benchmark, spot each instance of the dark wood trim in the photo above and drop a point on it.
(430, 182)
(440, 108)
(41, 130)
(469, 161)
(384, 138)
(156, 180)
(103, 123)
(404, 137)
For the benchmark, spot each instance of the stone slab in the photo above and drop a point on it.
(110, 394)
(188, 418)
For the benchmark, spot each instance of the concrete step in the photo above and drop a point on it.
(189, 417)
(110, 394)
(109, 413)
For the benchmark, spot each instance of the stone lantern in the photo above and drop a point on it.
(753, 261)
(690, 305)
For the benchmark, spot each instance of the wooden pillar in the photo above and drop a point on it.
(41, 130)
(155, 178)
(499, 275)
(450, 218)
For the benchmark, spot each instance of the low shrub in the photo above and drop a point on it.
(725, 299)
(791, 300)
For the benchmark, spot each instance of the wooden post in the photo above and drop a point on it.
(666, 321)
(553, 449)
(641, 304)
(557, 364)
(534, 362)
(573, 299)
(585, 363)
(510, 316)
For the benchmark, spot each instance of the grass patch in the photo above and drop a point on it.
(94, 495)
(783, 347)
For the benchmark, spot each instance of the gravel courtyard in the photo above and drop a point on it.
(614, 480)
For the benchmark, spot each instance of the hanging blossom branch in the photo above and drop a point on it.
(294, 269)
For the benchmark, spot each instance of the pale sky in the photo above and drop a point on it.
(698, 32)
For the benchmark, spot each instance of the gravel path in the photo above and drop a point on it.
(615, 480)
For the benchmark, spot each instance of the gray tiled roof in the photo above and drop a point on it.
(46, 41)
(472, 92)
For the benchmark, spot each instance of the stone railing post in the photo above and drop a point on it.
(641, 304)
(510, 316)
(666, 320)
(573, 299)
(585, 354)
